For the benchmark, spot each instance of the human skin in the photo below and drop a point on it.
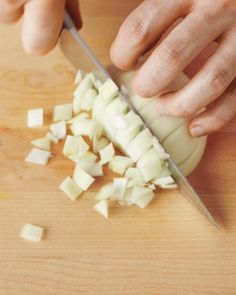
(179, 35)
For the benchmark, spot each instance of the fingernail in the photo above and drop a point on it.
(197, 131)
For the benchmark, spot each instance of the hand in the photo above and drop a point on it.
(213, 85)
(42, 21)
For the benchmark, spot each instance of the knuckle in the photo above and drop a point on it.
(219, 81)
(172, 56)
(178, 110)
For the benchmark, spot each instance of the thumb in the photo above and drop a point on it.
(73, 8)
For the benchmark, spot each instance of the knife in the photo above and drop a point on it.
(81, 56)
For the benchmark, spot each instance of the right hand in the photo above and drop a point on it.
(42, 21)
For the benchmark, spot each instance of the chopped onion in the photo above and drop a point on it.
(59, 129)
(125, 136)
(87, 158)
(75, 145)
(117, 106)
(88, 99)
(108, 90)
(163, 180)
(169, 186)
(107, 154)
(119, 187)
(35, 118)
(70, 188)
(119, 121)
(128, 196)
(37, 156)
(82, 178)
(105, 192)
(119, 164)
(79, 76)
(32, 232)
(87, 127)
(142, 196)
(94, 170)
(99, 144)
(42, 143)
(140, 144)
(136, 181)
(80, 91)
(150, 164)
(62, 112)
(102, 208)
(79, 117)
(53, 138)
(133, 172)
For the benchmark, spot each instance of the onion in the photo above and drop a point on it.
(133, 172)
(35, 118)
(142, 196)
(42, 143)
(94, 170)
(119, 187)
(32, 232)
(87, 127)
(79, 117)
(102, 208)
(88, 100)
(107, 154)
(70, 188)
(119, 164)
(59, 129)
(99, 144)
(75, 145)
(53, 138)
(105, 192)
(87, 158)
(163, 180)
(62, 112)
(108, 90)
(82, 178)
(37, 156)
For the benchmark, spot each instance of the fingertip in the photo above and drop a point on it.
(119, 61)
(138, 84)
(37, 47)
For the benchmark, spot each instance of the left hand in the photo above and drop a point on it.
(213, 83)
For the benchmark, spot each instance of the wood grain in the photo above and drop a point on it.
(165, 249)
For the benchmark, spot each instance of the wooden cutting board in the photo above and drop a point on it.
(165, 249)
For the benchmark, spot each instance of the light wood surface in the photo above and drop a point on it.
(165, 249)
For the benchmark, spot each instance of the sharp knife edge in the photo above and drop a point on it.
(184, 187)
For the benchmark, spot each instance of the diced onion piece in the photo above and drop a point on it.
(169, 186)
(102, 208)
(75, 145)
(117, 106)
(142, 196)
(97, 83)
(133, 172)
(140, 144)
(42, 143)
(128, 196)
(136, 181)
(134, 118)
(94, 170)
(79, 117)
(35, 118)
(108, 90)
(88, 99)
(53, 138)
(79, 76)
(37, 156)
(87, 127)
(99, 144)
(125, 136)
(59, 129)
(70, 188)
(158, 147)
(62, 112)
(163, 180)
(152, 187)
(150, 164)
(119, 164)
(105, 192)
(119, 187)
(107, 154)
(99, 108)
(80, 91)
(165, 171)
(82, 178)
(32, 232)
(119, 121)
(87, 158)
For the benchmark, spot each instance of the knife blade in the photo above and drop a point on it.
(81, 56)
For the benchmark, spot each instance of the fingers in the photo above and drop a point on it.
(41, 25)
(176, 51)
(216, 117)
(72, 7)
(210, 82)
(11, 10)
(142, 29)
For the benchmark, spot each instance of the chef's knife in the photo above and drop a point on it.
(81, 56)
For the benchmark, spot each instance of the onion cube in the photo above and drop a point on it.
(102, 208)
(107, 154)
(31, 232)
(37, 156)
(82, 178)
(70, 188)
(108, 90)
(59, 129)
(35, 118)
(62, 112)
